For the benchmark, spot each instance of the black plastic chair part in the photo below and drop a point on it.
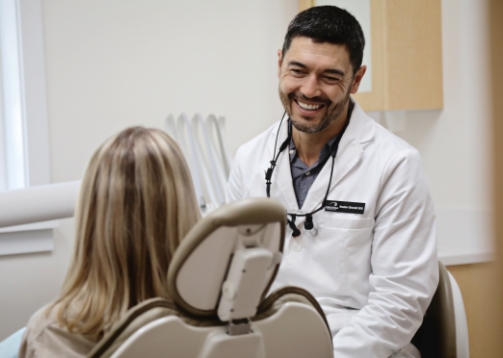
(436, 338)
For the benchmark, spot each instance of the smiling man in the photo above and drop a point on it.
(361, 234)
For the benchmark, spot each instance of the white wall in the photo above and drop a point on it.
(111, 64)
(455, 142)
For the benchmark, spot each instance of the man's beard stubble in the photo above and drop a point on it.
(330, 115)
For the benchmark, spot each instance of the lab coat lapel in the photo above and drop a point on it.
(361, 129)
(285, 184)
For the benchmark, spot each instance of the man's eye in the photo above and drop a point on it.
(296, 71)
(332, 79)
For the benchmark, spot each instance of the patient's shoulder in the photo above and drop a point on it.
(44, 337)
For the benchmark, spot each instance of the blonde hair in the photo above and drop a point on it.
(136, 204)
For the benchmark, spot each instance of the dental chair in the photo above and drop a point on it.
(218, 280)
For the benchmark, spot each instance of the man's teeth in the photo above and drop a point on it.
(309, 106)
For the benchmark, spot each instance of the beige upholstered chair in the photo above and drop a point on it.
(218, 280)
(444, 332)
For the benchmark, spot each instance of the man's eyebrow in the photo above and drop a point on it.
(298, 64)
(332, 71)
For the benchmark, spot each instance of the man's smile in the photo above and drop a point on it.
(308, 106)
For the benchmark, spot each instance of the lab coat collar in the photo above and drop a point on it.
(361, 127)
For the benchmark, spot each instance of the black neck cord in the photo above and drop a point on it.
(308, 224)
(268, 173)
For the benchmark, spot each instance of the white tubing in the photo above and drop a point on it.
(189, 144)
(170, 126)
(39, 203)
(203, 165)
(225, 152)
(211, 163)
(218, 147)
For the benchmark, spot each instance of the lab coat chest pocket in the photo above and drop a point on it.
(354, 238)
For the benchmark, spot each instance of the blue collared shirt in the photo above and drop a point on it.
(302, 175)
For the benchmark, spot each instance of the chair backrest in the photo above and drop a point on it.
(218, 280)
(436, 338)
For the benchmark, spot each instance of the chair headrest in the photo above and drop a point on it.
(200, 264)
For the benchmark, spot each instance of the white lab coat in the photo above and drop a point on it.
(374, 274)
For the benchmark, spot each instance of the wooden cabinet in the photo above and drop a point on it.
(406, 37)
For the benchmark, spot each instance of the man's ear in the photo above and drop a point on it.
(358, 79)
(280, 60)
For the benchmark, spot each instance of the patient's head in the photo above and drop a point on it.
(136, 204)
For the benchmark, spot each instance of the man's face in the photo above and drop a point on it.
(315, 81)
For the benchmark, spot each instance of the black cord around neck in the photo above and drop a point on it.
(268, 175)
(270, 170)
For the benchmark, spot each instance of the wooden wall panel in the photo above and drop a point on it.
(495, 292)
(406, 56)
(413, 48)
(305, 4)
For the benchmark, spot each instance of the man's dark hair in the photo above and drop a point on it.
(329, 24)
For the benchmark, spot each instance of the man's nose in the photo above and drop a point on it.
(310, 87)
